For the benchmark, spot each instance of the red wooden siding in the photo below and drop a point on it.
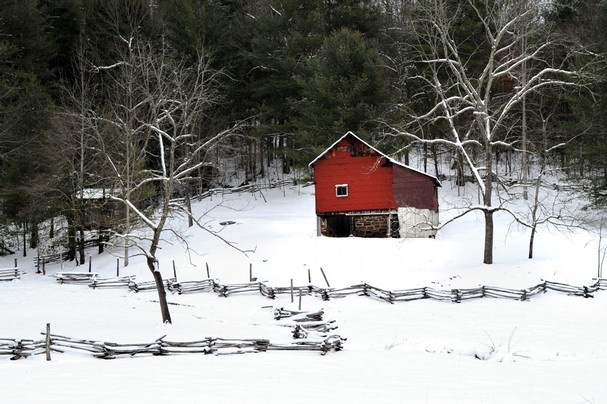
(374, 181)
(369, 180)
(414, 189)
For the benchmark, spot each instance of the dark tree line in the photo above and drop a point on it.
(301, 73)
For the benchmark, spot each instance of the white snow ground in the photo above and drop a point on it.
(552, 349)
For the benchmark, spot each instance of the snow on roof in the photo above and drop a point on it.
(350, 133)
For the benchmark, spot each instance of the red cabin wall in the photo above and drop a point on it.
(369, 179)
(413, 189)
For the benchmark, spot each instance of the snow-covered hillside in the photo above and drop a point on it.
(551, 349)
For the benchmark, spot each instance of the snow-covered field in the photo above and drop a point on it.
(552, 349)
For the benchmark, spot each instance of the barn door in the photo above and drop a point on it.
(339, 225)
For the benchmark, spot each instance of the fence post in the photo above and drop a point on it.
(208, 275)
(16, 266)
(309, 277)
(117, 267)
(291, 290)
(90, 263)
(43, 265)
(299, 307)
(48, 341)
(325, 276)
(174, 271)
(250, 272)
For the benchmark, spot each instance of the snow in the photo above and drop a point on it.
(551, 349)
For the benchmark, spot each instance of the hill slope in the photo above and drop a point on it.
(550, 349)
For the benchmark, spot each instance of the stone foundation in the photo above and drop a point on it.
(359, 225)
(370, 226)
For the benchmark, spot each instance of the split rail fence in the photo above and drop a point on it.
(363, 289)
(10, 274)
(310, 331)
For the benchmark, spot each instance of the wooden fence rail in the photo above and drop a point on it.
(303, 324)
(9, 274)
(404, 295)
(363, 289)
(63, 255)
(18, 349)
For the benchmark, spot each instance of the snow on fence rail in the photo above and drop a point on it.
(17, 349)
(404, 295)
(9, 274)
(363, 289)
(60, 256)
(309, 329)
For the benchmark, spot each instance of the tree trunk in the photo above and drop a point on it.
(34, 235)
(162, 296)
(262, 167)
(487, 201)
(435, 158)
(101, 241)
(71, 239)
(24, 239)
(460, 180)
(127, 224)
(488, 255)
(531, 240)
(81, 247)
(188, 204)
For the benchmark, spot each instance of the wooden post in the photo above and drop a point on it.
(309, 277)
(250, 272)
(90, 264)
(325, 276)
(16, 263)
(291, 290)
(43, 265)
(61, 259)
(174, 271)
(117, 267)
(299, 307)
(48, 341)
(208, 274)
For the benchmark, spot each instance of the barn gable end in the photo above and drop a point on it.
(362, 192)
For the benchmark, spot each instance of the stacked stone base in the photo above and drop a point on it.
(406, 222)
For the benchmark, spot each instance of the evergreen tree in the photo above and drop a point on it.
(285, 37)
(349, 88)
(25, 104)
(583, 112)
(362, 16)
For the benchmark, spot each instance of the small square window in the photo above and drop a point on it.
(341, 190)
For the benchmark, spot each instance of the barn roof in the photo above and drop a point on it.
(349, 133)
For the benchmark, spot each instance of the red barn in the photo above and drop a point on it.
(362, 192)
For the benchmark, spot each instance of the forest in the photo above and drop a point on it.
(144, 101)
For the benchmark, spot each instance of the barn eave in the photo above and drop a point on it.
(391, 160)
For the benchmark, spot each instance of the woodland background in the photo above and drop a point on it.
(85, 84)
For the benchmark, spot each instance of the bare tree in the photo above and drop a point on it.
(472, 108)
(172, 97)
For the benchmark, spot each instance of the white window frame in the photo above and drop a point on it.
(339, 187)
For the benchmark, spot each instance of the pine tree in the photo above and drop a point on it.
(25, 104)
(349, 88)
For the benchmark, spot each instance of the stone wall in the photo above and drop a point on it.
(370, 226)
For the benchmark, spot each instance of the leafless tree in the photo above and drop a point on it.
(162, 126)
(473, 117)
